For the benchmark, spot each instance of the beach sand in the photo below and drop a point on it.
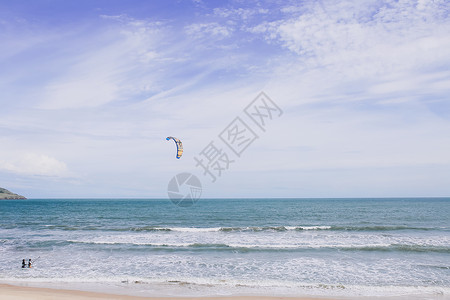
(10, 292)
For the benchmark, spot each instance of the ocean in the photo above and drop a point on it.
(292, 247)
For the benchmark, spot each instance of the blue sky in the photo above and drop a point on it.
(90, 89)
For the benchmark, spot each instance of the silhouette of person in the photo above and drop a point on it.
(24, 264)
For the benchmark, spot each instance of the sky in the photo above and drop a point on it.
(89, 90)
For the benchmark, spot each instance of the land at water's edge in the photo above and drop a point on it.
(9, 292)
(7, 195)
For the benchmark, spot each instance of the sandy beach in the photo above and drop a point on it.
(10, 292)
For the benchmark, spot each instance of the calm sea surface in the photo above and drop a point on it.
(342, 247)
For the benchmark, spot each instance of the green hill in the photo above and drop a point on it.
(5, 194)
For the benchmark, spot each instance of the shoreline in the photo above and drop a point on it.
(85, 291)
(15, 292)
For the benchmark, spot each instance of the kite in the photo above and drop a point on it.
(179, 145)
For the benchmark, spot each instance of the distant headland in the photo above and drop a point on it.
(5, 194)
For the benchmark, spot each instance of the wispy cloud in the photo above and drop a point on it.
(208, 29)
(35, 164)
(364, 87)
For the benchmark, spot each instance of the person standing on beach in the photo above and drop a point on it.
(23, 263)
(29, 263)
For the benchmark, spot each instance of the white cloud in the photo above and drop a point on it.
(357, 39)
(208, 29)
(35, 164)
(83, 91)
(239, 13)
(361, 54)
(110, 66)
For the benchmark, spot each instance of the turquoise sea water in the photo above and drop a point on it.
(342, 247)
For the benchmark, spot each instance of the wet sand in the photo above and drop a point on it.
(10, 292)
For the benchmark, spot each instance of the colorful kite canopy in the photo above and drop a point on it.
(179, 145)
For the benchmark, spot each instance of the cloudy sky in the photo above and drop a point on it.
(89, 90)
